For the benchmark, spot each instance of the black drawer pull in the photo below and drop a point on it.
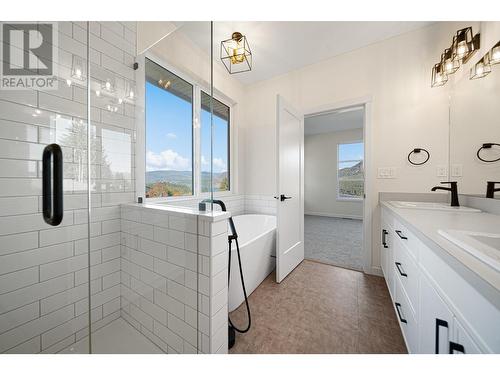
(52, 178)
(454, 347)
(439, 323)
(398, 232)
(384, 241)
(398, 305)
(398, 266)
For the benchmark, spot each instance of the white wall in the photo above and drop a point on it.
(406, 111)
(320, 175)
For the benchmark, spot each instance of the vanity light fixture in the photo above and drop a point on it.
(439, 77)
(235, 54)
(481, 68)
(495, 54)
(450, 66)
(465, 44)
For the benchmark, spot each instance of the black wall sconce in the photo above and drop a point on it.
(418, 151)
(463, 47)
(483, 67)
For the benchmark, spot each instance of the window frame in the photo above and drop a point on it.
(338, 197)
(198, 86)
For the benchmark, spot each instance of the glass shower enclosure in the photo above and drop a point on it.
(77, 275)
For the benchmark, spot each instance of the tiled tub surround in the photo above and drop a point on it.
(43, 269)
(174, 276)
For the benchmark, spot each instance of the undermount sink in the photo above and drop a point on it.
(432, 206)
(483, 246)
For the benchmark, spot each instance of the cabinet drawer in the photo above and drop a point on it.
(406, 238)
(406, 270)
(406, 318)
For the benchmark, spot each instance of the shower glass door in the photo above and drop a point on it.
(44, 228)
(144, 99)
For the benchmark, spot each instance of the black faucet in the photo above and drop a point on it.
(453, 189)
(490, 189)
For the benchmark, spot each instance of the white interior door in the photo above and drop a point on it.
(290, 188)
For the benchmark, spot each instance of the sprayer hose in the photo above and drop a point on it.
(242, 284)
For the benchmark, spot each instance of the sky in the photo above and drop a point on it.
(350, 151)
(169, 134)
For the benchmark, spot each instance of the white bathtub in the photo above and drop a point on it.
(257, 240)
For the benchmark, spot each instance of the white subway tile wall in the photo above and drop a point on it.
(43, 269)
(174, 279)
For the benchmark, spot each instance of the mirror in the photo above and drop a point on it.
(474, 121)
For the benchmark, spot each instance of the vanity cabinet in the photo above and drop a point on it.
(437, 309)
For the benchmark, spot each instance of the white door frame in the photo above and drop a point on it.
(366, 103)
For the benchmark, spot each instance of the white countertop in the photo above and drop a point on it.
(426, 224)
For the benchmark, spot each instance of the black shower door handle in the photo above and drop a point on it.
(52, 184)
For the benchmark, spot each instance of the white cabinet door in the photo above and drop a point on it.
(463, 343)
(436, 321)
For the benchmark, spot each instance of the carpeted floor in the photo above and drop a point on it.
(334, 241)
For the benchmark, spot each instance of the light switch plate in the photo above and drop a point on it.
(386, 172)
(441, 171)
(456, 170)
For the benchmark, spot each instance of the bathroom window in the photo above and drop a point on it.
(220, 150)
(169, 133)
(350, 171)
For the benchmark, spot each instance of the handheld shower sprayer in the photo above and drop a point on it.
(232, 329)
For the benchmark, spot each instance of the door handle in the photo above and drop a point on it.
(282, 197)
(52, 184)
(398, 232)
(439, 323)
(384, 234)
(398, 266)
(398, 306)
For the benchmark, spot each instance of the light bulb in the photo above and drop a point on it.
(479, 69)
(78, 73)
(462, 49)
(120, 100)
(448, 66)
(495, 55)
(131, 94)
(97, 93)
(68, 82)
(108, 85)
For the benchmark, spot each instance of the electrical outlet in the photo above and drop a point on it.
(456, 170)
(441, 171)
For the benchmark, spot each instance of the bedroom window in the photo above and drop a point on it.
(350, 171)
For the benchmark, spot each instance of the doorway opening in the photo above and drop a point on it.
(334, 187)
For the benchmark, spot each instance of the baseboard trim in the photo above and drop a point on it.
(355, 217)
(377, 271)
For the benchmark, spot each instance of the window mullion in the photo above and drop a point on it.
(197, 140)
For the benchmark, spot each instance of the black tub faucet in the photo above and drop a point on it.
(453, 189)
(490, 189)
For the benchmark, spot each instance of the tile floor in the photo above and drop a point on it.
(334, 241)
(320, 309)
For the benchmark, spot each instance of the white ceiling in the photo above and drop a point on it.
(348, 119)
(280, 47)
